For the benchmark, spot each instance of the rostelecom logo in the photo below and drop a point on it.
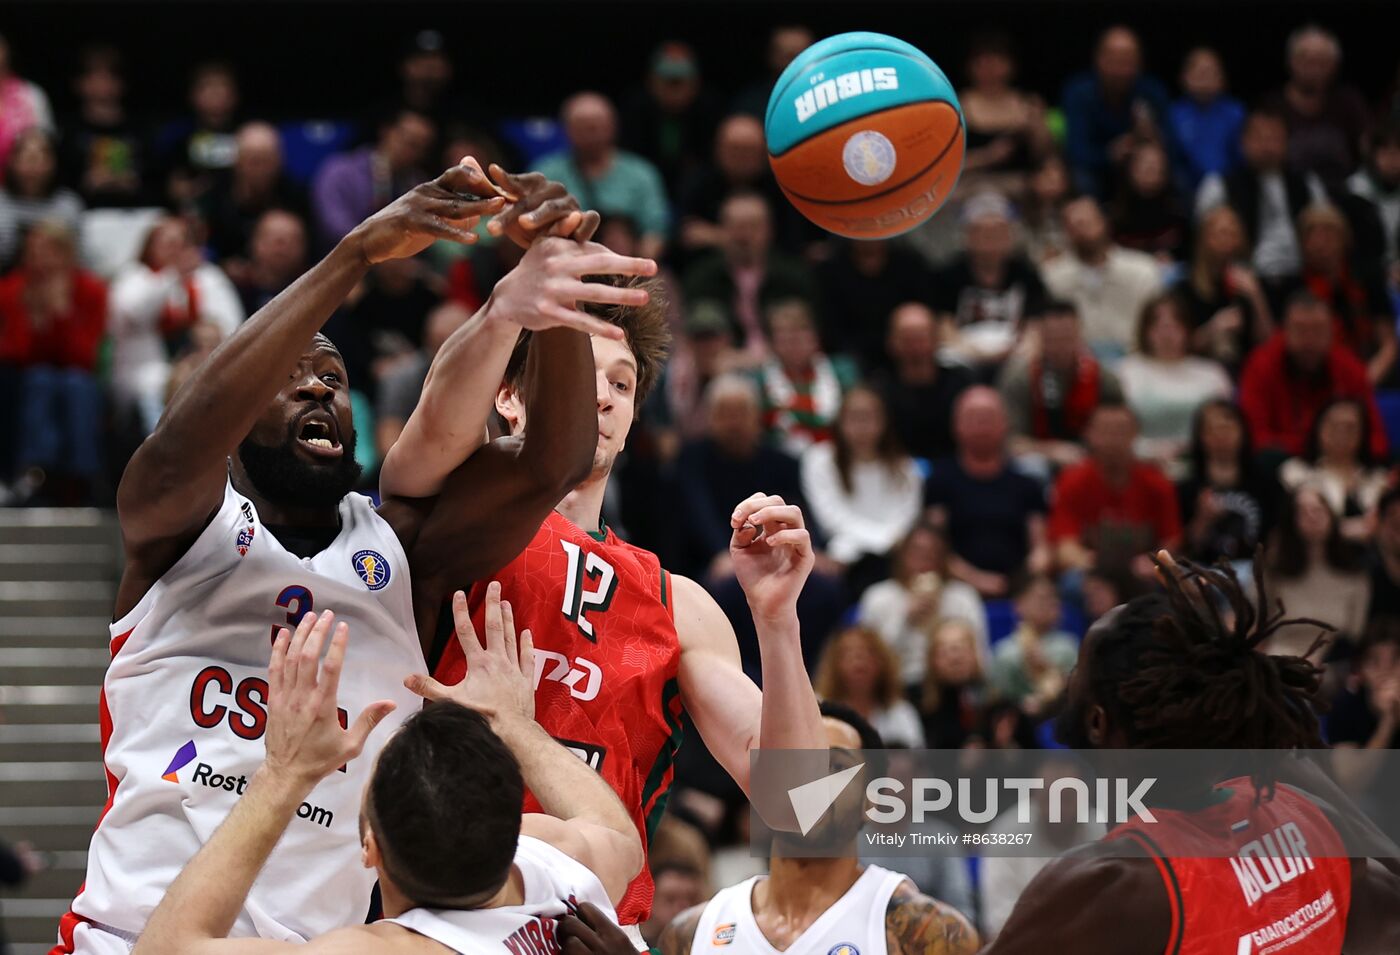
(183, 756)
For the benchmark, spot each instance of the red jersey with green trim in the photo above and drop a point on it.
(606, 659)
(1249, 877)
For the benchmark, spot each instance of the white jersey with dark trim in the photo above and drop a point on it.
(184, 708)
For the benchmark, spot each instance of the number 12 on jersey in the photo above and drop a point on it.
(578, 601)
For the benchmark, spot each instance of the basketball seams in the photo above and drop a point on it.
(952, 141)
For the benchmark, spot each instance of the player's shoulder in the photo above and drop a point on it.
(918, 924)
(678, 937)
(379, 938)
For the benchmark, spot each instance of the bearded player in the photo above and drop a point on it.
(622, 646)
(1166, 671)
(237, 517)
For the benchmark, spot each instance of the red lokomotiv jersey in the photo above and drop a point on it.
(1247, 878)
(606, 658)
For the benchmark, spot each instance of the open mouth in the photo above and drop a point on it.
(319, 435)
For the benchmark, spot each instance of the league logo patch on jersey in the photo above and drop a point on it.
(182, 758)
(245, 540)
(845, 948)
(372, 568)
(724, 934)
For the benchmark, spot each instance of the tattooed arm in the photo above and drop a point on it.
(918, 925)
(677, 938)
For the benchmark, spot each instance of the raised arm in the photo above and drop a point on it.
(175, 480)
(585, 819)
(305, 743)
(732, 715)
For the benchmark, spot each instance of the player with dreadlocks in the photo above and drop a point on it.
(1172, 671)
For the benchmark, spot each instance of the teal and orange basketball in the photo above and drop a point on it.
(865, 135)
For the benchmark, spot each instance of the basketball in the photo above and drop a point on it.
(865, 135)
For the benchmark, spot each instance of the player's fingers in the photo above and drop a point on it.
(603, 294)
(293, 664)
(567, 226)
(365, 723)
(589, 225)
(425, 686)
(466, 177)
(330, 669)
(456, 208)
(745, 509)
(549, 212)
(466, 631)
(581, 321)
(601, 261)
(311, 654)
(508, 631)
(527, 656)
(440, 228)
(514, 185)
(605, 927)
(799, 539)
(578, 933)
(495, 637)
(277, 664)
(784, 515)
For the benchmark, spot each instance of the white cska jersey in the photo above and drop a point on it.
(184, 708)
(551, 879)
(854, 925)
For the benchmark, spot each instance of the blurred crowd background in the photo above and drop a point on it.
(1160, 311)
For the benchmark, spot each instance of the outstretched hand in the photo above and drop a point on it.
(304, 737)
(772, 553)
(546, 287)
(446, 208)
(587, 931)
(500, 679)
(537, 207)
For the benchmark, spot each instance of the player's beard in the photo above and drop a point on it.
(284, 477)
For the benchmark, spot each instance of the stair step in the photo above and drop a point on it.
(41, 597)
(65, 631)
(42, 525)
(60, 741)
(91, 790)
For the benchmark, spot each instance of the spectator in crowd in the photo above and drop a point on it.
(104, 154)
(1164, 383)
(382, 322)
(52, 317)
(801, 386)
(154, 302)
(1385, 558)
(276, 257)
(1042, 219)
(920, 592)
(740, 164)
(1006, 128)
(425, 79)
(863, 283)
(1148, 215)
(603, 177)
(200, 151)
(986, 292)
(1110, 109)
(671, 121)
(1112, 510)
(856, 669)
(1002, 878)
(1326, 119)
(785, 43)
(1288, 379)
(22, 105)
(1031, 666)
(1226, 498)
(676, 886)
(954, 694)
(994, 515)
(1337, 463)
(1365, 714)
(1268, 197)
(201, 340)
(919, 390)
(705, 352)
(401, 388)
(1052, 390)
(1226, 303)
(747, 274)
(31, 193)
(1354, 291)
(864, 490)
(1107, 283)
(353, 185)
(1206, 121)
(256, 184)
(1315, 572)
(1378, 182)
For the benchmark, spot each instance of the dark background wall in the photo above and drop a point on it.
(330, 58)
